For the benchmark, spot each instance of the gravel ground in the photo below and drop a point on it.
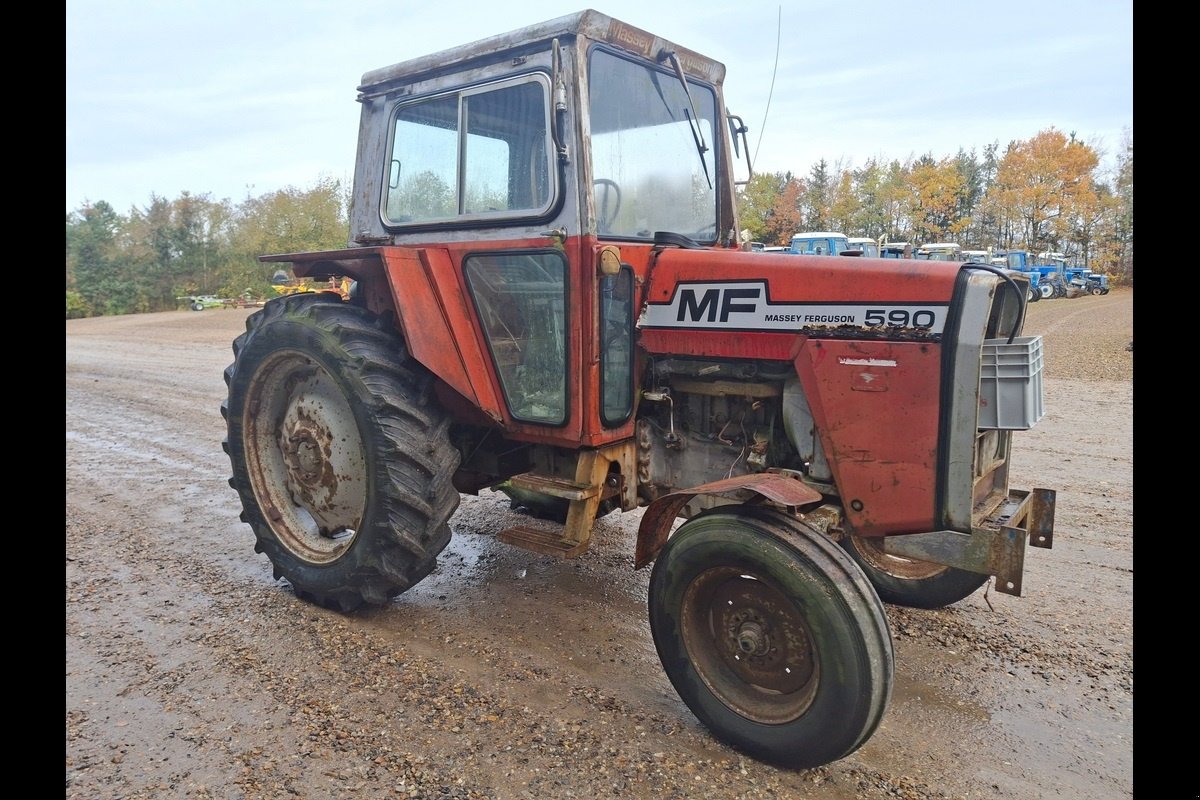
(191, 673)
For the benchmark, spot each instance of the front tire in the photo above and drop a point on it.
(907, 582)
(772, 636)
(339, 450)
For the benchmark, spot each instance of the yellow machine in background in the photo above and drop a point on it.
(285, 284)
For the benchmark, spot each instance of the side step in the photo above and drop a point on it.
(548, 543)
(555, 487)
(584, 495)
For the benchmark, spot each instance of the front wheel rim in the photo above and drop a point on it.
(750, 645)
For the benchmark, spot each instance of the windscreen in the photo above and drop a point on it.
(653, 162)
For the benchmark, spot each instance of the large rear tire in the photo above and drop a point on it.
(772, 636)
(906, 582)
(339, 450)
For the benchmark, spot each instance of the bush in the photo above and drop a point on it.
(77, 307)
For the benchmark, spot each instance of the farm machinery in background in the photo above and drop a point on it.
(282, 282)
(1075, 277)
(1054, 276)
(285, 284)
(199, 302)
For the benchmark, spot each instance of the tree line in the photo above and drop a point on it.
(1045, 193)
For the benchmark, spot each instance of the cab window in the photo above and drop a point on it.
(477, 153)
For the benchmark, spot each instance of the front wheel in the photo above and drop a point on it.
(339, 450)
(772, 636)
(907, 582)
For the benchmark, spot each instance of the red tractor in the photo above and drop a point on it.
(549, 298)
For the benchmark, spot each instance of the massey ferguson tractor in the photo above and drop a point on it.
(549, 298)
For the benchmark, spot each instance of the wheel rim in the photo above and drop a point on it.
(305, 457)
(750, 645)
(870, 551)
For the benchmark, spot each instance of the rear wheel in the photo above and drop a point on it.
(907, 582)
(772, 636)
(1046, 290)
(340, 453)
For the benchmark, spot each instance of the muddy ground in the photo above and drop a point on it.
(191, 673)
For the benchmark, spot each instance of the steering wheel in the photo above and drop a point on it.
(608, 202)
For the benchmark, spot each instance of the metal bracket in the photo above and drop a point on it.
(995, 547)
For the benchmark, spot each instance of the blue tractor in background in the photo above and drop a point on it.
(1075, 277)
(1056, 277)
(1046, 277)
(820, 243)
(1019, 261)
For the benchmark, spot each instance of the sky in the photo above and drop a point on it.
(235, 99)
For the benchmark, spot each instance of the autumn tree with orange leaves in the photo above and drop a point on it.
(1044, 182)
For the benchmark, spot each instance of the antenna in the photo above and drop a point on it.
(770, 92)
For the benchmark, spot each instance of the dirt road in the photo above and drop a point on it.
(191, 673)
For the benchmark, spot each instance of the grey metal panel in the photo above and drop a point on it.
(962, 422)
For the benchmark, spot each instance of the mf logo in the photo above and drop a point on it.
(715, 304)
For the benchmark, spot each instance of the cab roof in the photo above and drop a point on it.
(588, 24)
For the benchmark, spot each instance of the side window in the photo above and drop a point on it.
(616, 347)
(476, 152)
(521, 302)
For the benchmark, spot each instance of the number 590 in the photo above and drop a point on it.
(899, 317)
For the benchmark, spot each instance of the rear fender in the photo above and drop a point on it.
(423, 289)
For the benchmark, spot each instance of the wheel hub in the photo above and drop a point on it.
(306, 457)
(762, 638)
(752, 639)
(304, 454)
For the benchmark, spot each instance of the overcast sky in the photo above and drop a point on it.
(235, 99)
